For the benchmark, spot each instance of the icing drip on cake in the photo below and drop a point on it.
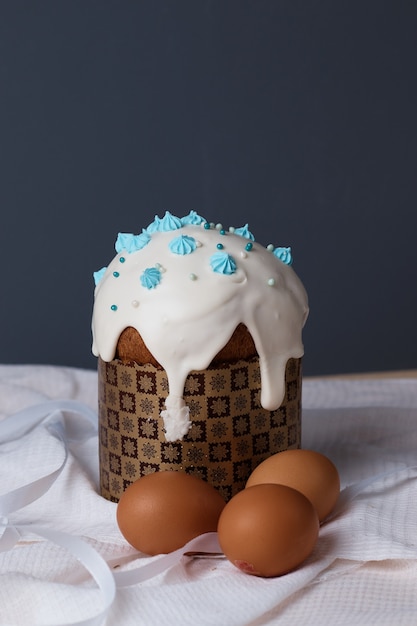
(185, 285)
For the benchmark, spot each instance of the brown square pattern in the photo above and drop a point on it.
(230, 435)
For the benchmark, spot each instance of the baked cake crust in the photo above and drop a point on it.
(131, 347)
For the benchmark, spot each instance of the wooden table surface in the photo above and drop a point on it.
(372, 375)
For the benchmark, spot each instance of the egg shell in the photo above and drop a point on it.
(268, 530)
(161, 512)
(308, 471)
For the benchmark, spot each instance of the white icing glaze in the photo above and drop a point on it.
(176, 418)
(192, 313)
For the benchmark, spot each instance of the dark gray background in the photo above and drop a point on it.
(297, 117)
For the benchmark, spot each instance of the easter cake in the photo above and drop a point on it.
(198, 333)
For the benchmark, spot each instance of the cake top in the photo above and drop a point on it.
(185, 284)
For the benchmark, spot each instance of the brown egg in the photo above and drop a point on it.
(268, 530)
(307, 471)
(162, 511)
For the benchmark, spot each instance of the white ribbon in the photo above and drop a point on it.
(51, 415)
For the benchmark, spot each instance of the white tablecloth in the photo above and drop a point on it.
(363, 570)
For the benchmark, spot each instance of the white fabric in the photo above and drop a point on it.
(363, 570)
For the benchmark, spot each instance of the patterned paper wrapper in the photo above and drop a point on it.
(230, 434)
